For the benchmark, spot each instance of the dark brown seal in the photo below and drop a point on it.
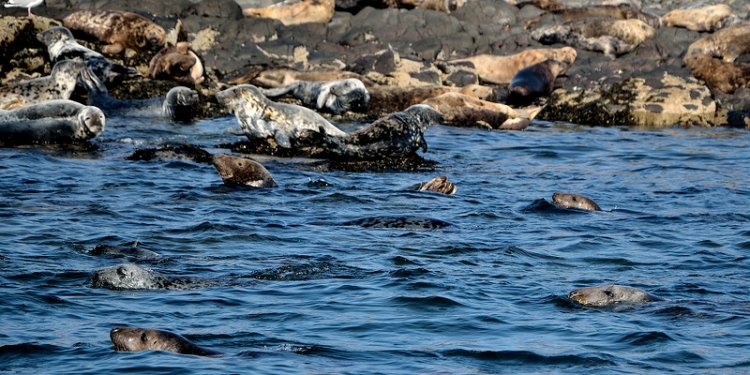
(566, 200)
(242, 171)
(534, 81)
(120, 30)
(439, 184)
(127, 339)
(178, 63)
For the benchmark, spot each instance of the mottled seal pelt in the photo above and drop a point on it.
(394, 136)
(180, 104)
(130, 276)
(60, 84)
(336, 97)
(439, 184)
(130, 339)
(235, 170)
(501, 69)
(705, 18)
(613, 37)
(61, 45)
(295, 12)
(567, 200)
(608, 295)
(51, 122)
(727, 44)
(534, 81)
(260, 117)
(178, 63)
(120, 30)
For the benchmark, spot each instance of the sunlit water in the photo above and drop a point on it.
(485, 295)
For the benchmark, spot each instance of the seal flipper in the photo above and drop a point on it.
(279, 91)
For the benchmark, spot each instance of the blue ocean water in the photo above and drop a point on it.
(295, 291)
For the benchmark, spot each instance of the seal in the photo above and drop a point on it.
(171, 152)
(259, 117)
(335, 97)
(51, 122)
(130, 276)
(727, 44)
(60, 84)
(61, 45)
(133, 252)
(295, 12)
(179, 105)
(705, 18)
(120, 30)
(718, 74)
(566, 200)
(501, 69)
(398, 222)
(613, 37)
(617, 12)
(242, 171)
(608, 295)
(465, 110)
(130, 339)
(178, 63)
(396, 135)
(534, 81)
(439, 184)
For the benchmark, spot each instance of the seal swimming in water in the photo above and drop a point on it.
(534, 81)
(120, 30)
(131, 276)
(51, 122)
(178, 63)
(129, 339)
(398, 222)
(439, 184)
(242, 171)
(60, 84)
(608, 295)
(336, 97)
(61, 45)
(566, 200)
(178, 105)
(260, 117)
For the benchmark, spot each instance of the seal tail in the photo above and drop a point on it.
(280, 91)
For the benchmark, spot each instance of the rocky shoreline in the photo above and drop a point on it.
(642, 80)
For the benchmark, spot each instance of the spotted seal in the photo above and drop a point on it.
(130, 339)
(705, 18)
(439, 184)
(336, 97)
(178, 63)
(242, 171)
(613, 37)
(608, 295)
(534, 81)
(51, 122)
(295, 12)
(130, 276)
(60, 84)
(394, 136)
(260, 117)
(501, 69)
(61, 45)
(121, 30)
(727, 44)
(567, 200)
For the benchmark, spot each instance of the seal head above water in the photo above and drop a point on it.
(242, 171)
(608, 295)
(129, 339)
(567, 200)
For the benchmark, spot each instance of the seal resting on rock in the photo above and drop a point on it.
(706, 18)
(61, 45)
(178, 63)
(51, 122)
(619, 12)
(501, 69)
(727, 44)
(129, 339)
(612, 37)
(260, 117)
(387, 99)
(295, 12)
(465, 110)
(242, 171)
(335, 97)
(608, 295)
(60, 84)
(534, 81)
(439, 184)
(394, 136)
(718, 74)
(566, 200)
(120, 30)
(131, 276)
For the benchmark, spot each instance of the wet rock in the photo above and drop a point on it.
(182, 152)
(650, 102)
